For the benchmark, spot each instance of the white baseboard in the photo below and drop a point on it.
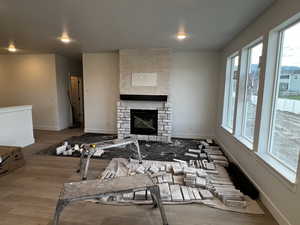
(100, 131)
(266, 200)
(192, 135)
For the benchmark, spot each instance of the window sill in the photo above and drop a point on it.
(227, 129)
(244, 142)
(287, 176)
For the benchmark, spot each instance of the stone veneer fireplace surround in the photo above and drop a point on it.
(144, 85)
(164, 120)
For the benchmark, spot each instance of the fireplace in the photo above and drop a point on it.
(143, 121)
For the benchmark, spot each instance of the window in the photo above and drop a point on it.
(284, 144)
(251, 90)
(232, 79)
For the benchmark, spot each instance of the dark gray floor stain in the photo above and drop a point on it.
(149, 150)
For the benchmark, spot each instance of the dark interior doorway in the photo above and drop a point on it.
(76, 100)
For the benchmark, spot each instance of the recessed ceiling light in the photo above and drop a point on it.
(65, 38)
(11, 48)
(181, 36)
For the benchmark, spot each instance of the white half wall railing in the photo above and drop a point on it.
(16, 127)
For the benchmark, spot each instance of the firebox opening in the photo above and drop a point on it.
(143, 121)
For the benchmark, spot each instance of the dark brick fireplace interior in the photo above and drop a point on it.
(143, 122)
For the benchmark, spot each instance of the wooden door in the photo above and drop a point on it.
(76, 99)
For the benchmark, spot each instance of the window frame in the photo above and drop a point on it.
(271, 64)
(275, 96)
(241, 104)
(228, 80)
(256, 43)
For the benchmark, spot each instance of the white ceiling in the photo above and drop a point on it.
(105, 25)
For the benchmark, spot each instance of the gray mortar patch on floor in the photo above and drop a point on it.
(149, 150)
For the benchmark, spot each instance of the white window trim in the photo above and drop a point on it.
(269, 102)
(227, 92)
(241, 104)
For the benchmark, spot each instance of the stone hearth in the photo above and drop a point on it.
(164, 123)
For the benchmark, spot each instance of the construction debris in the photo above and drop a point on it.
(196, 194)
(185, 193)
(140, 195)
(198, 151)
(201, 178)
(209, 141)
(176, 193)
(128, 196)
(177, 169)
(165, 193)
(206, 194)
(153, 169)
(191, 155)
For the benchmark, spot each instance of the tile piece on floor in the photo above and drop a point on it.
(167, 178)
(140, 195)
(178, 179)
(206, 194)
(191, 194)
(128, 196)
(165, 193)
(176, 193)
(185, 193)
(196, 194)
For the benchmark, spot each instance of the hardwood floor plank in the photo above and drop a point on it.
(28, 196)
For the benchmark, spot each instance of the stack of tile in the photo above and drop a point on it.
(219, 160)
(200, 182)
(216, 155)
(202, 178)
(208, 165)
(177, 169)
(128, 196)
(167, 178)
(140, 170)
(198, 163)
(140, 195)
(223, 188)
(201, 173)
(165, 193)
(154, 169)
(204, 143)
(206, 194)
(193, 155)
(178, 179)
(209, 141)
(190, 193)
(231, 197)
(196, 151)
(176, 193)
(190, 179)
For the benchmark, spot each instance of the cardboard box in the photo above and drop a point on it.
(11, 158)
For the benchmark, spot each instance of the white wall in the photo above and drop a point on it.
(193, 87)
(281, 197)
(194, 92)
(39, 80)
(64, 67)
(30, 80)
(151, 60)
(101, 91)
(16, 126)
